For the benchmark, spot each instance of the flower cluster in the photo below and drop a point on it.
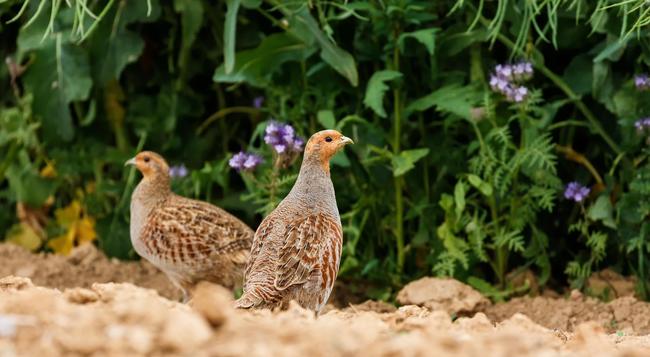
(243, 161)
(642, 124)
(507, 79)
(576, 192)
(642, 82)
(179, 171)
(282, 138)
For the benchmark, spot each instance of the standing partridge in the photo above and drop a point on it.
(188, 240)
(297, 247)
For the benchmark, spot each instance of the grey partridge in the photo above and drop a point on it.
(188, 240)
(297, 248)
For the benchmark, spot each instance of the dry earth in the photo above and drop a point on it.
(69, 307)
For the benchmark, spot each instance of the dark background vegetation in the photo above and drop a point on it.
(446, 178)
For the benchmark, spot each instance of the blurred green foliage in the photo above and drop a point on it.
(447, 177)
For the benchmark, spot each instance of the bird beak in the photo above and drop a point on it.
(345, 140)
(130, 161)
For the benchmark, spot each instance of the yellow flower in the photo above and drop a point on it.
(80, 228)
(48, 171)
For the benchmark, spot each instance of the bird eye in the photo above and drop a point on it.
(328, 139)
(146, 159)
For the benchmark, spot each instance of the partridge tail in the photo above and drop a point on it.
(246, 301)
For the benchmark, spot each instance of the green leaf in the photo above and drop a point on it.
(229, 31)
(251, 4)
(453, 44)
(337, 58)
(481, 185)
(603, 84)
(613, 50)
(326, 119)
(426, 37)
(257, 65)
(28, 186)
(446, 202)
(377, 88)
(405, 160)
(59, 75)
(578, 75)
(191, 20)
(113, 46)
(602, 210)
(459, 198)
(454, 98)
(625, 103)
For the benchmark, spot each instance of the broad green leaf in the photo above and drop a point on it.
(426, 37)
(459, 198)
(603, 84)
(455, 99)
(59, 75)
(602, 210)
(377, 88)
(625, 103)
(113, 46)
(257, 65)
(405, 160)
(578, 75)
(326, 119)
(337, 58)
(229, 31)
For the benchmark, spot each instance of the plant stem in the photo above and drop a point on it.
(572, 155)
(398, 181)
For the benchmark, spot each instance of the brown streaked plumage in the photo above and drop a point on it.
(188, 240)
(297, 248)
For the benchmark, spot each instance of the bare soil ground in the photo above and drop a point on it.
(88, 305)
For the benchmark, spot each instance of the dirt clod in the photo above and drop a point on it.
(442, 294)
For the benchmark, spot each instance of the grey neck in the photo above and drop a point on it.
(314, 186)
(150, 192)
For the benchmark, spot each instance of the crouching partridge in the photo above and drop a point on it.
(188, 240)
(297, 248)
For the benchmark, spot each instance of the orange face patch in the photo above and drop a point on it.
(325, 144)
(150, 163)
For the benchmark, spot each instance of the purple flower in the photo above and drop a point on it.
(642, 82)
(258, 102)
(243, 161)
(282, 137)
(506, 80)
(522, 71)
(576, 192)
(178, 171)
(517, 94)
(642, 124)
(498, 84)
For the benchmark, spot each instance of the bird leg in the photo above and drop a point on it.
(186, 296)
